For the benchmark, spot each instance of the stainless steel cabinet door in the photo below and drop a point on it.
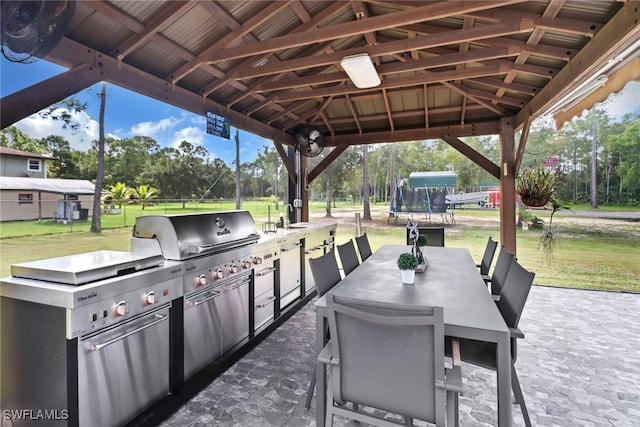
(123, 370)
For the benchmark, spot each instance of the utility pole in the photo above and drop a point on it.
(237, 169)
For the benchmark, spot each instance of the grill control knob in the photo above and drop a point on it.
(120, 309)
(218, 274)
(246, 264)
(201, 280)
(233, 268)
(257, 260)
(149, 298)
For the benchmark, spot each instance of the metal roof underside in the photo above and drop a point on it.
(448, 68)
(47, 185)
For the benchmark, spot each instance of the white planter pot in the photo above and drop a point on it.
(408, 276)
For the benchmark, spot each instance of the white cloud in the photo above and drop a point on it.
(153, 129)
(193, 135)
(38, 127)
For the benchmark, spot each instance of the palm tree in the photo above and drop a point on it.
(118, 193)
(144, 193)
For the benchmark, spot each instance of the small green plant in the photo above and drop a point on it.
(407, 261)
(423, 240)
(536, 223)
(535, 185)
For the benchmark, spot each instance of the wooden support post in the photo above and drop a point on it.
(507, 185)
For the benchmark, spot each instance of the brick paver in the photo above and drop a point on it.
(578, 366)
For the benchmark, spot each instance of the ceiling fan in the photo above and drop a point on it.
(310, 142)
(33, 28)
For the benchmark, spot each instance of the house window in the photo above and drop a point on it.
(25, 199)
(34, 165)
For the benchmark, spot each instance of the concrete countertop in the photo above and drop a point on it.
(297, 229)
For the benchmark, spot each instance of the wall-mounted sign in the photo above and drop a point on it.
(218, 125)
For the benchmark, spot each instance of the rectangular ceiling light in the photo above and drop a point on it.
(360, 70)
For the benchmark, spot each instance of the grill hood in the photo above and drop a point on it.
(187, 236)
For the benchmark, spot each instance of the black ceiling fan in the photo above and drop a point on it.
(31, 29)
(310, 141)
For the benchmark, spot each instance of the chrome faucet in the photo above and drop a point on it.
(287, 221)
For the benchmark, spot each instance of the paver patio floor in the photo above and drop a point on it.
(579, 365)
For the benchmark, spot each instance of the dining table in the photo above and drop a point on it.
(452, 281)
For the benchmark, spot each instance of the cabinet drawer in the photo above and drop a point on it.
(263, 309)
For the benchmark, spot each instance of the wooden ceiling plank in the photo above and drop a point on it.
(431, 77)
(425, 96)
(70, 54)
(464, 92)
(354, 113)
(327, 123)
(302, 13)
(544, 50)
(498, 83)
(166, 16)
(124, 19)
(387, 107)
(468, 129)
(484, 54)
(256, 20)
(472, 155)
(431, 11)
(399, 46)
(563, 25)
(623, 27)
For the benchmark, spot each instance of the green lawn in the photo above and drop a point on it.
(598, 256)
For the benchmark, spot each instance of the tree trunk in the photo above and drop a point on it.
(594, 160)
(329, 192)
(365, 177)
(237, 169)
(96, 225)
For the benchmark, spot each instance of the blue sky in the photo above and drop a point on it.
(129, 114)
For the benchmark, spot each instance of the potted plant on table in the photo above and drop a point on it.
(407, 263)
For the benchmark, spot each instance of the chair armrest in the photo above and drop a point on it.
(496, 298)
(486, 278)
(516, 333)
(455, 352)
(326, 357)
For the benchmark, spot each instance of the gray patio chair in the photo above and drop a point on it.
(513, 298)
(326, 274)
(348, 257)
(390, 358)
(363, 246)
(499, 275)
(487, 257)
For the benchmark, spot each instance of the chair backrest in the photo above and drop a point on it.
(435, 236)
(500, 270)
(391, 358)
(514, 293)
(363, 246)
(325, 272)
(487, 257)
(348, 257)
